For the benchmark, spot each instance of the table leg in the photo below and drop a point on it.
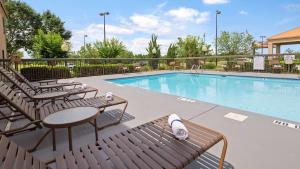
(96, 129)
(70, 138)
(53, 140)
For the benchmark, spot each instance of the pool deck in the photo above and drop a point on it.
(254, 143)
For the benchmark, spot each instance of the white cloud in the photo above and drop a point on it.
(159, 6)
(139, 45)
(242, 12)
(211, 2)
(188, 14)
(150, 24)
(95, 32)
(292, 7)
(145, 21)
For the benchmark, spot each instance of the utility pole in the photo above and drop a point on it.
(218, 12)
(84, 44)
(262, 44)
(104, 32)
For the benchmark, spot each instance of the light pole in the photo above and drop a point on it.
(104, 14)
(85, 36)
(218, 12)
(262, 44)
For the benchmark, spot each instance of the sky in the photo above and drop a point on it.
(133, 21)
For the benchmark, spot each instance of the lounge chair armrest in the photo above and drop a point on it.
(47, 81)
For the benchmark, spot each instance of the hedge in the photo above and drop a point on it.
(95, 70)
(45, 72)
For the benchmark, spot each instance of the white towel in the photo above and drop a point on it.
(178, 128)
(109, 96)
(83, 86)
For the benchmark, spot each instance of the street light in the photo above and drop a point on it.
(85, 36)
(204, 47)
(218, 12)
(104, 14)
(262, 44)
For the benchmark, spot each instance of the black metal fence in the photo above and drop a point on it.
(37, 69)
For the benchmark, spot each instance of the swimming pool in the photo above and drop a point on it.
(268, 96)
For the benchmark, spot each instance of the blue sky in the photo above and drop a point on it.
(133, 21)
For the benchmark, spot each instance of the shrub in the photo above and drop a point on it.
(102, 69)
(45, 72)
(209, 66)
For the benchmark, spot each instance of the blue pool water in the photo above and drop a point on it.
(273, 97)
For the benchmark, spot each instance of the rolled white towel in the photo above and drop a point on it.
(83, 86)
(71, 81)
(178, 128)
(109, 96)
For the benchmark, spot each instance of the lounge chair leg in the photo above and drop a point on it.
(222, 159)
(40, 141)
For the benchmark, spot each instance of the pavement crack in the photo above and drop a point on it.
(203, 112)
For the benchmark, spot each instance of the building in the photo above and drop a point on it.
(3, 15)
(289, 37)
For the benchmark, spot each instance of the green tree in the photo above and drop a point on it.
(52, 23)
(48, 45)
(172, 51)
(234, 43)
(191, 46)
(154, 50)
(111, 48)
(21, 26)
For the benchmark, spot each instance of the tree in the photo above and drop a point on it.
(290, 51)
(154, 50)
(191, 46)
(234, 43)
(52, 23)
(111, 48)
(21, 26)
(172, 51)
(48, 45)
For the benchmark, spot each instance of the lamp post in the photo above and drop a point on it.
(262, 44)
(204, 47)
(84, 37)
(218, 12)
(104, 14)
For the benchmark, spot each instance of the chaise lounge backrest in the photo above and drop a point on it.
(16, 101)
(24, 87)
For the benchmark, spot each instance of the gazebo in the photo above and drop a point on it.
(289, 37)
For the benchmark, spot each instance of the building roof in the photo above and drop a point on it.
(293, 33)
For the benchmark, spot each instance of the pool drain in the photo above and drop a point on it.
(286, 124)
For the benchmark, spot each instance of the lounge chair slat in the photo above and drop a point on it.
(126, 160)
(100, 158)
(81, 162)
(3, 147)
(190, 148)
(167, 146)
(161, 157)
(20, 159)
(92, 162)
(130, 153)
(114, 157)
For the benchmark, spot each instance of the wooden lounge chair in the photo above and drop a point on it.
(275, 65)
(147, 146)
(36, 114)
(36, 95)
(41, 85)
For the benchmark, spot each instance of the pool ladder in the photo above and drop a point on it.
(196, 68)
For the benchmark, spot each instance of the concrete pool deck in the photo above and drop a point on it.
(254, 143)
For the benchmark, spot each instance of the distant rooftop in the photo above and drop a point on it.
(293, 33)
